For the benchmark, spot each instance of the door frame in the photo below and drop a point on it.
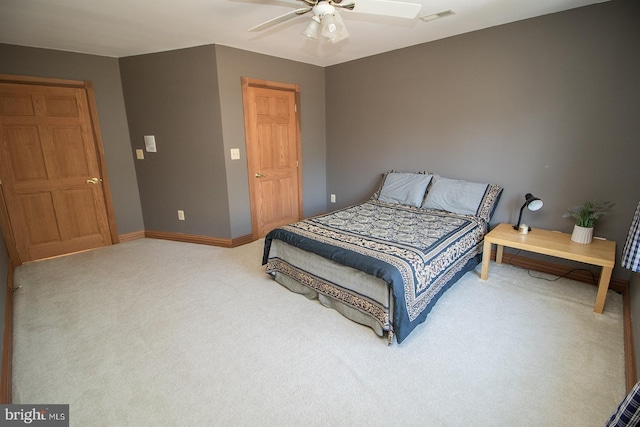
(87, 86)
(246, 84)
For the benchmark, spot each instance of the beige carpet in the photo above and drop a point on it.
(160, 333)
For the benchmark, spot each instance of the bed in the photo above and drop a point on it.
(385, 262)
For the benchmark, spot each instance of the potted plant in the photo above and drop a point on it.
(586, 215)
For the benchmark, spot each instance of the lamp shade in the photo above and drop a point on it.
(631, 250)
(534, 204)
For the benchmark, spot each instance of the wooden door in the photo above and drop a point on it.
(273, 154)
(50, 172)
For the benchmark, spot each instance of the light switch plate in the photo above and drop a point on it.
(150, 143)
(139, 153)
(235, 154)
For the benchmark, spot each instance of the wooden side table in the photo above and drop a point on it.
(600, 252)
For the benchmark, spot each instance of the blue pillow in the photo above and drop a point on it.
(404, 188)
(462, 197)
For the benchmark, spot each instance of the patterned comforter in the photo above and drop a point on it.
(420, 253)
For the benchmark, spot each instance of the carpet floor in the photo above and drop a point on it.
(161, 333)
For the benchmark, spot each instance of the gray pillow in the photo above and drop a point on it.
(404, 188)
(457, 196)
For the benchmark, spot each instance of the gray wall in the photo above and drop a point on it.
(174, 96)
(547, 105)
(105, 75)
(191, 100)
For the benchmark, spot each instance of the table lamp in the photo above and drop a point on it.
(532, 203)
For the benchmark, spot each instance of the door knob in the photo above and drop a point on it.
(93, 180)
(259, 175)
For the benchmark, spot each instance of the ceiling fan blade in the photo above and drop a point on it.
(279, 19)
(388, 8)
(349, 6)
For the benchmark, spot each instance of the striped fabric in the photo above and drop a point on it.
(631, 251)
(628, 413)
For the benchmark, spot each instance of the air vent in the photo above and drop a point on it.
(437, 15)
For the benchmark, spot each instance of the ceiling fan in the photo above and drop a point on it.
(327, 22)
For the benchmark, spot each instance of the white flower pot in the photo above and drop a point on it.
(582, 234)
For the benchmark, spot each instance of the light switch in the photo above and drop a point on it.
(139, 153)
(150, 143)
(235, 154)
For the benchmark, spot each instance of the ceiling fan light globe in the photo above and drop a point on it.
(312, 30)
(328, 25)
(339, 37)
(333, 28)
(337, 30)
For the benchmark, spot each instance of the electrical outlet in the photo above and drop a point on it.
(180, 215)
(333, 198)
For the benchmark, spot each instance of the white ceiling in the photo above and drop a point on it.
(119, 28)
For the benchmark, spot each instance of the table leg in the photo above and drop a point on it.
(499, 252)
(603, 287)
(486, 259)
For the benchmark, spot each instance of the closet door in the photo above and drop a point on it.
(273, 154)
(50, 173)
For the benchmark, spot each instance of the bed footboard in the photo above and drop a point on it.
(358, 296)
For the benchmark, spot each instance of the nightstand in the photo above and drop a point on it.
(600, 252)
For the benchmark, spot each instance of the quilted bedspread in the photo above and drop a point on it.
(419, 252)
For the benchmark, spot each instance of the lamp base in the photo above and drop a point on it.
(522, 228)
